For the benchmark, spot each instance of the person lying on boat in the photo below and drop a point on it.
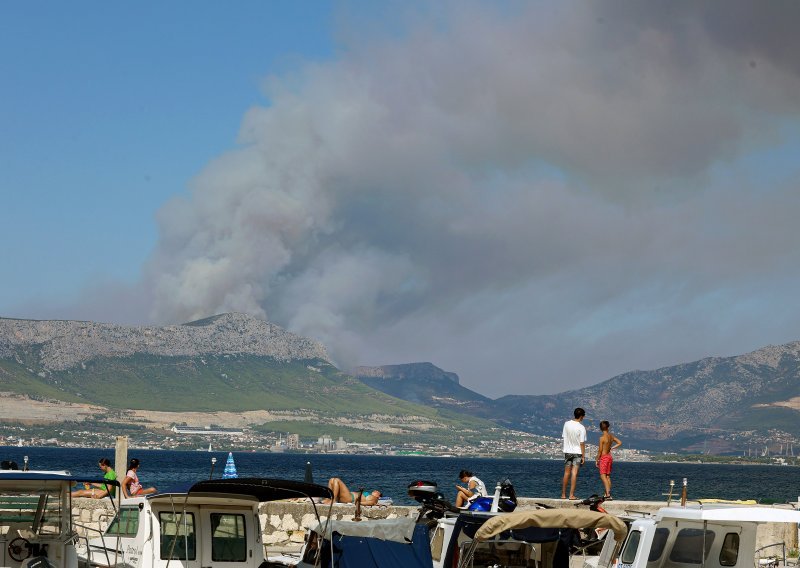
(99, 490)
(131, 486)
(475, 488)
(341, 494)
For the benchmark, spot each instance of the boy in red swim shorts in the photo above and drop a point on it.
(608, 442)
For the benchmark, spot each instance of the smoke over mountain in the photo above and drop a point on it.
(526, 193)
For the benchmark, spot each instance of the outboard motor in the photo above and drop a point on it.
(424, 491)
(508, 497)
(434, 505)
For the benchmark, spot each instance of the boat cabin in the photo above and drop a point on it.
(210, 523)
(36, 525)
(715, 536)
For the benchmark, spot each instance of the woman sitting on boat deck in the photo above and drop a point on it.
(341, 494)
(131, 486)
(475, 488)
(99, 490)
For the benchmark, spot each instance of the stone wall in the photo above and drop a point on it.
(91, 515)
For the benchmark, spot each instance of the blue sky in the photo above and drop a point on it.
(108, 109)
(534, 195)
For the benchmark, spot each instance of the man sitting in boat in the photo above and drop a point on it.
(99, 490)
(341, 494)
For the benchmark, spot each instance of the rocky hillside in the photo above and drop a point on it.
(719, 404)
(716, 405)
(234, 362)
(60, 345)
(230, 363)
(422, 383)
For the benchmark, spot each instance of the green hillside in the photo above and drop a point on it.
(18, 378)
(233, 383)
(215, 382)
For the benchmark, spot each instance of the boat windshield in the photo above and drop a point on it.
(125, 524)
(36, 512)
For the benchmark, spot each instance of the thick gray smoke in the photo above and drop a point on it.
(534, 197)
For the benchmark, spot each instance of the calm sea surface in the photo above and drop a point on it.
(391, 474)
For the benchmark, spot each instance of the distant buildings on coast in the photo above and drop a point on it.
(207, 431)
(183, 437)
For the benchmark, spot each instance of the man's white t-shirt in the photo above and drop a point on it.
(574, 433)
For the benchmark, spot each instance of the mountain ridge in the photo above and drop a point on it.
(63, 344)
(421, 383)
(238, 362)
(226, 363)
(715, 403)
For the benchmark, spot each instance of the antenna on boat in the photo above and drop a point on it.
(683, 494)
(496, 498)
(671, 489)
(213, 463)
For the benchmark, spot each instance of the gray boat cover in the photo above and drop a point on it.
(552, 518)
(396, 530)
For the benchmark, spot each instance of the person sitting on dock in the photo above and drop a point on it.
(341, 494)
(475, 488)
(131, 486)
(99, 490)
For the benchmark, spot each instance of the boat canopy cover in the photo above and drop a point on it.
(261, 488)
(552, 518)
(17, 475)
(724, 513)
(397, 530)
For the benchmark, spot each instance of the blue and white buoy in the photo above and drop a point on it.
(230, 468)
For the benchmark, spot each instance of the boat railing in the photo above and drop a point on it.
(637, 514)
(770, 560)
(95, 532)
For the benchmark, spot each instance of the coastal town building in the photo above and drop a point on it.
(207, 431)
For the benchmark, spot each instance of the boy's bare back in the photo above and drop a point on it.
(604, 444)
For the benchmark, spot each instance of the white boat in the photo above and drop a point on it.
(212, 523)
(711, 536)
(695, 536)
(36, 525)
(537, 537)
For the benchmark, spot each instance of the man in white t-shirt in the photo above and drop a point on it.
(574, 435)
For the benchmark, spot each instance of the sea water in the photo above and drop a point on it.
(644, 481)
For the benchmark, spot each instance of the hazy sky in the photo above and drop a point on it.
(536, 195)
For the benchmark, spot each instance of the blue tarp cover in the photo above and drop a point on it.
(365, 552)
